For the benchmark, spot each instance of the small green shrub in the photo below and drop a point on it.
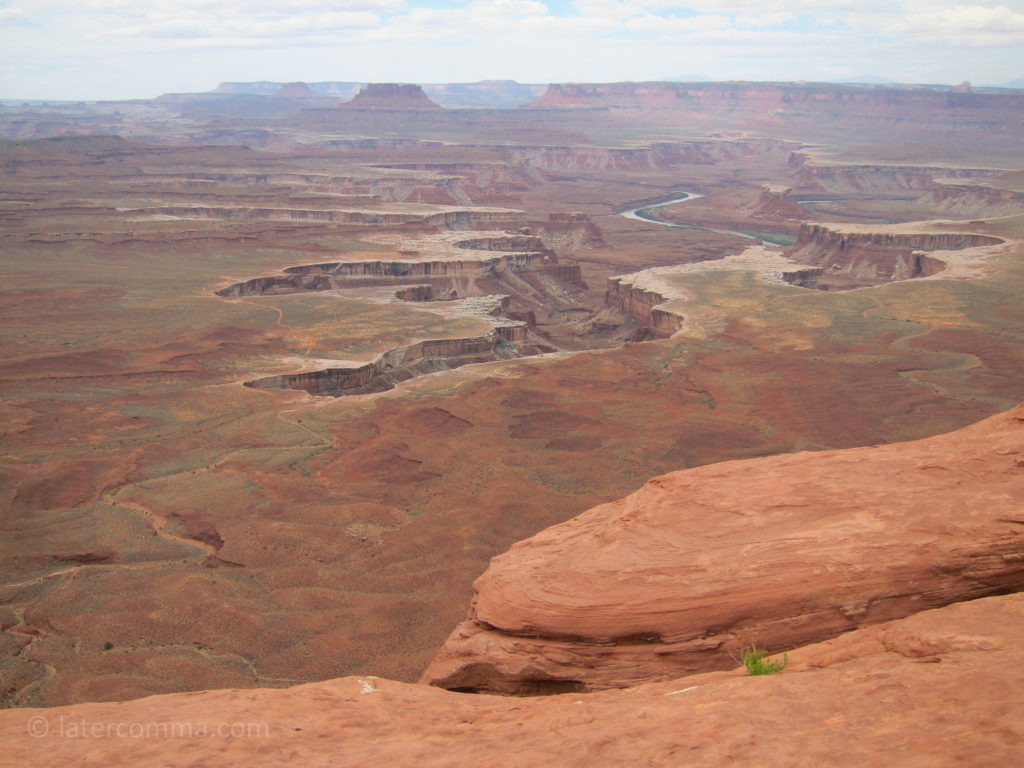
(754, 661)
(107, 645)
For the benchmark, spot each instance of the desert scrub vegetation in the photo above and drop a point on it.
(754, 660)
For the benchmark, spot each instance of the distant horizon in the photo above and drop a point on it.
(878, 83)
(100, 50)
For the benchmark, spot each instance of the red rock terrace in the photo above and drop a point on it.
(676, 578)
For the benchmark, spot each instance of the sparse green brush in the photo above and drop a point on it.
(754, 661)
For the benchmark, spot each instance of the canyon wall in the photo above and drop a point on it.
(850, 259)
(973, 201)
(454, 219)
(446, 278)
(852, 178)
(403, 363)
(641, 304)
(655, 156)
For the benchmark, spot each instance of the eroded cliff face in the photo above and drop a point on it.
(852, 259)
(643, 306)
(786, 550)
(777, 202)
(523, 279)
(449, 278)
(403, 363)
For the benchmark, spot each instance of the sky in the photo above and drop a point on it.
(119, 49)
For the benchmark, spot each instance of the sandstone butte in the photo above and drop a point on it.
(391, 96)
(294, 90)
(939, 688)
(786, 550)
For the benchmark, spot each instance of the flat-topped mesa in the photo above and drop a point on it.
(391, 96)
(782, 551)
(850, 258)
(296, 90)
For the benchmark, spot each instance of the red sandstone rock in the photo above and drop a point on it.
(785, 550)
(939, 688)
(391, 96)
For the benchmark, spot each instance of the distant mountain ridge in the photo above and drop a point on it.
(1017, 83)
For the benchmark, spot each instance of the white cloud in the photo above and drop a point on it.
(234, 7)
(775, 6)
(677, 25)
(962, 25)
(506, 9)
(763, 20)
(13, 16)
(159, 41)
(195, 24)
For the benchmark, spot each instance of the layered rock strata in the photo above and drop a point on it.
(853, 178)
(786, 550)
(974, 200)
(643, 305)
(450, 278)
(850, 257)
(453, 217)
(403, 363)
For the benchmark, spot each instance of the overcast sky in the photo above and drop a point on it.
(111, 49)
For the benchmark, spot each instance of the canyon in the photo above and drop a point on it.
(320, 399)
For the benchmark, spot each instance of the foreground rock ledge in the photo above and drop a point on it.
(940, 688)
(786, 550)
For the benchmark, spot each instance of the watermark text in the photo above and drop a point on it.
(64, 727)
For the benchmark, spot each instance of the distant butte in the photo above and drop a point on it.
(294, 91)
(385, 96)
